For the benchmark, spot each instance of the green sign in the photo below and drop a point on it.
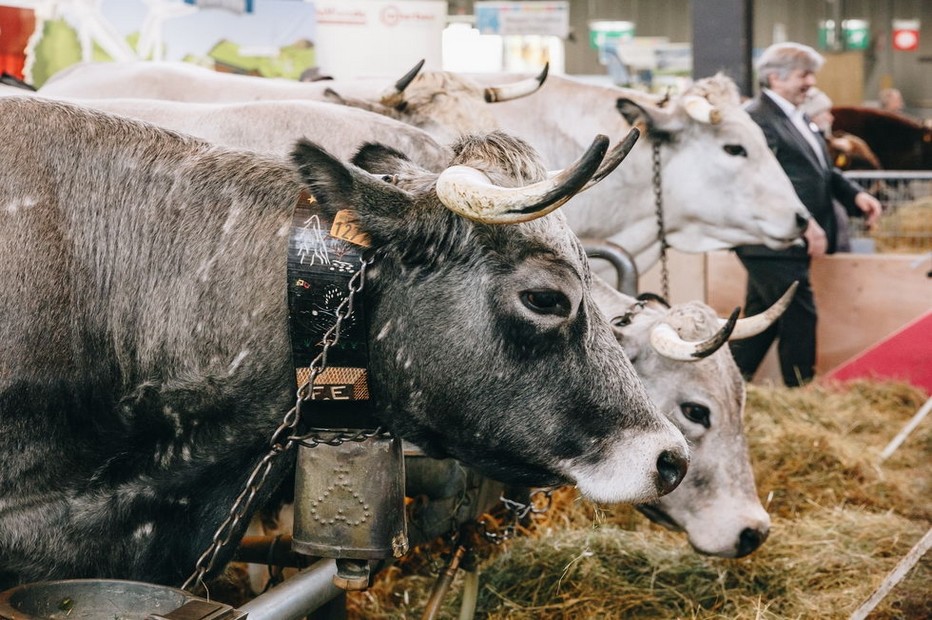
(855, 34)
(602, 33)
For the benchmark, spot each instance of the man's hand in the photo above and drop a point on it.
(815, 239)
(870, 206)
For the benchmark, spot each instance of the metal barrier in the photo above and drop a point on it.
(906, 224)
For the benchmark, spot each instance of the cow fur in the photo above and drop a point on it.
(145, 353)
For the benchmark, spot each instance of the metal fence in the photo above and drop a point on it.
(906, 224)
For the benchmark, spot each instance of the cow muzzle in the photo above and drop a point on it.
(638, 468)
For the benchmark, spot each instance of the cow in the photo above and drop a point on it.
(271, 126)
(146, 358)
(721, 516)
(716, 504)
(899, 142)
(721, 186)
(849, 152)
(724, 516)
(691, 377)
(679, 356)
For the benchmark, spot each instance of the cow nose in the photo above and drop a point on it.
(750, 539)
(672, 467)
(802, 222)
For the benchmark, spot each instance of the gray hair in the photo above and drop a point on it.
(783, 58)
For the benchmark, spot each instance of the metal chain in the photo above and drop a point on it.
(661, 234)
(627, 317)
(518, 510)
(283, 439)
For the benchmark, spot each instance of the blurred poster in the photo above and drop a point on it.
(379, 38)
(272, 38)
(523, 18)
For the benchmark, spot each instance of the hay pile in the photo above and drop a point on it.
(908, 229)
(841, 522)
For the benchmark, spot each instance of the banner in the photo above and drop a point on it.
(523, 18)
(379, 38)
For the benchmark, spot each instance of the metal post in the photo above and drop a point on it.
(723, 39)
(298, 596)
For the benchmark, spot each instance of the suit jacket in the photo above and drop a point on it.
(815, 184)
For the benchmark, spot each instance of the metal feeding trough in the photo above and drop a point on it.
(102, 599)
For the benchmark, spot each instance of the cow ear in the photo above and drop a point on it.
(328, 179)
(381, 207)
(632, 112)
(393, 167)
(655, 119)
(380, 159)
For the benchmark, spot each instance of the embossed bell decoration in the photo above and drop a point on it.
(349, 504)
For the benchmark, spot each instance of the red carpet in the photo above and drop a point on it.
(905, 355)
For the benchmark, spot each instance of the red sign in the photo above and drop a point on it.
(906, 35)
(906, 40)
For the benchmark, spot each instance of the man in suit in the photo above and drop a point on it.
(786, 72)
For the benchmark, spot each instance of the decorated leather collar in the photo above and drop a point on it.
(323, 255)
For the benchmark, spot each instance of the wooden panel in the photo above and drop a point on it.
(687, 277)
(861, 298)
(842, 77)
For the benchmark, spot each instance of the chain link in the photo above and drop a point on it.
(661, 234)
(627, 317)
(283, 440)
(518, 511)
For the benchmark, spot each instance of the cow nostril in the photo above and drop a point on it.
(749, 540)
(672, 468)
(802, 222)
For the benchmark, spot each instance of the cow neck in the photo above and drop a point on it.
(323, 255)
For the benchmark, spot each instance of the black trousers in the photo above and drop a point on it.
(795, 331)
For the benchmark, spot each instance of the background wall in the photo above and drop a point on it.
(793, 19)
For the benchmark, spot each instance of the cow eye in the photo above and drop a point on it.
(735, 150)
(546, 302)
(697, 413)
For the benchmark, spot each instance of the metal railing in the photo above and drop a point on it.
(906, 224)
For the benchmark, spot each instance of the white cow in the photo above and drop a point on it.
(721, 185)
(272, 126)
(716, 504)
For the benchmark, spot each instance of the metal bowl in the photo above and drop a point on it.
(89, 599)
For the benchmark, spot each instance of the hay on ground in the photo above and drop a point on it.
(841, 522)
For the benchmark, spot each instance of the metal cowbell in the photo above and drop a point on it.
(349, 499)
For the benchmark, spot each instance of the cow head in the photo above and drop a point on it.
(485, 344)
(442, 103)
(707, 140)
(716, 504)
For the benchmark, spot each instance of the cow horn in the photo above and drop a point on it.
(393, 99)
(614, 157)
(516, 90)
(700, 109)
(668, 343)
(611, 161)
(468, 192)
(753, 325)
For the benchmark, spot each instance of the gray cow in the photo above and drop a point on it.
(717, 503)
(724, 517)
(146, 360)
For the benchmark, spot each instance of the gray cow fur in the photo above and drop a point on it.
(144, 358)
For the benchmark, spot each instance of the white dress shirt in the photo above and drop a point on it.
(799, 122)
